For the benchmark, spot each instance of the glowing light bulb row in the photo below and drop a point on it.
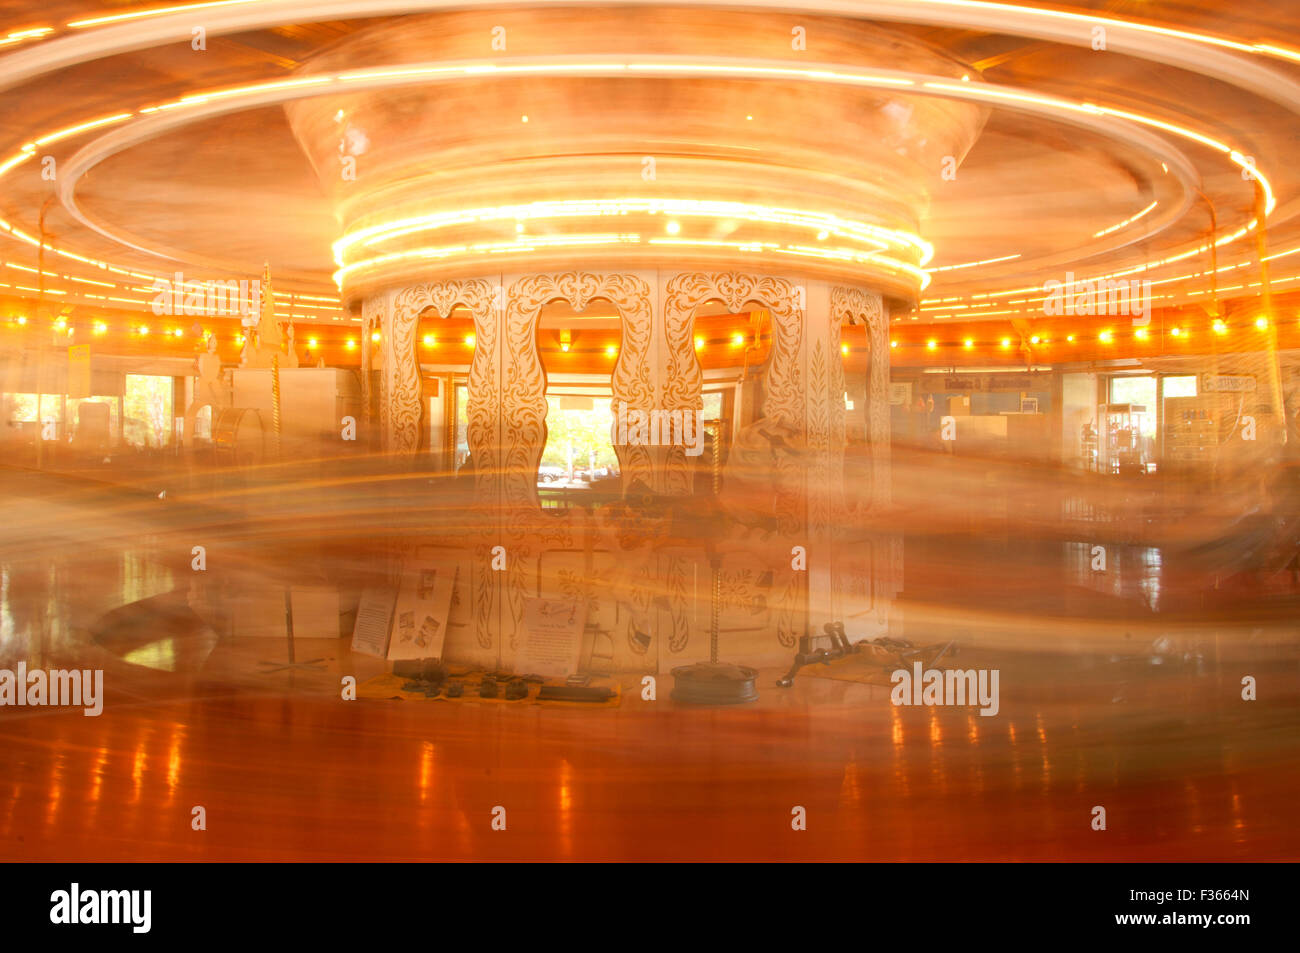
(1126, 222)
(824, 225)
(524, 245)
(931, 306)
(1106, 336)
(100, 327)
(964, 90)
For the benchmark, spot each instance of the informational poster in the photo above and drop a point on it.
(552, 637)
(423, 606)
(374, 619)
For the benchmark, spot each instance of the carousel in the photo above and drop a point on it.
(585, 191)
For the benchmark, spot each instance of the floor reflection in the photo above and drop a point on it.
(1140, 712)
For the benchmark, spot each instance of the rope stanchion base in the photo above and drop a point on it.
(714, 683)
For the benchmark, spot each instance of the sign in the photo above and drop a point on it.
(374, 617)
(900, 393)
(1228, 383)
(960, 383)
(79, 371)
(423, 605)
(1020, 382)
(552, 638)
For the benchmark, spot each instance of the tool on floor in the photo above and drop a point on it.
(807, 655)
(424, 669)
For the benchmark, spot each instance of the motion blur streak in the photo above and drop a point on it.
(1129, 686)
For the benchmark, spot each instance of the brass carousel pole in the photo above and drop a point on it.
(275, 405)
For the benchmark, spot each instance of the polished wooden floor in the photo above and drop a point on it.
(285, 773)
(1156, 733)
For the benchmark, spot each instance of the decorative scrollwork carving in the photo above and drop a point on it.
(402, 372)
(524, 417)
(683, 295)
(858, 306)
(678, 600)
(631, 384)
(523, 382)
(523, 403)
(819, 443)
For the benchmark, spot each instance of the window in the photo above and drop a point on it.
(23, 407)
(1137, 390)
(1180, 386)
(579, 442)
(148, 411)
(713, 405)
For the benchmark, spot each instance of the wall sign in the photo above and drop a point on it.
(1228, 383)
(552, 638)
(423, 605)
(374, 617)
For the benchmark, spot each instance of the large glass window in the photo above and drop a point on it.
(148, 411)
(713, 405)
(579, 444)
(1137, 390)
(23, 407)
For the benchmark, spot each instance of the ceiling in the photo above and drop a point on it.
(1043, 189)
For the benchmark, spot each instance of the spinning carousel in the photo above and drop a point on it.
(609, 184)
